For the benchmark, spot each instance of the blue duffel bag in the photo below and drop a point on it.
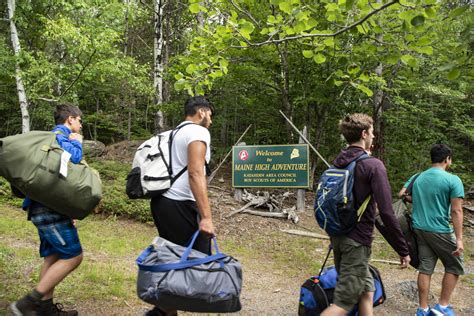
(174, 277)
(317, 292)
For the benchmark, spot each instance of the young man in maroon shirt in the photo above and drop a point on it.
(352, 251)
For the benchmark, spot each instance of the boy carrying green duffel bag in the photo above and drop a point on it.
(35, 164)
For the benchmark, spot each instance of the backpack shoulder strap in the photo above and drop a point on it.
(410, 186)
(170, 143)
(364, 205)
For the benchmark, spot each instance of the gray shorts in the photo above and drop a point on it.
(434, 246)
(352, 265)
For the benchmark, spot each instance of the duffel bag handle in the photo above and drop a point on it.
(186, 253)
(174, 266)
(183, 263)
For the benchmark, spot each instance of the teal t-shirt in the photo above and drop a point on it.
(431, 194)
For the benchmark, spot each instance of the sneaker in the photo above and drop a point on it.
(26, 306)
(421, 312)
(439, 311)
(154, 312)
(56, 310)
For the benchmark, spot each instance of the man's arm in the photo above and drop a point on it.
(72, 145)
(382, 194)
(457, 217)
(198, 184)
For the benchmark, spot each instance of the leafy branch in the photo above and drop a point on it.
(80, 73)
(342, 30)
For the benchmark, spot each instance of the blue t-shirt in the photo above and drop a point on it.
(431, 194)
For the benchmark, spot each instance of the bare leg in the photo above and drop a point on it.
(447, 287)
(334, 310)
(424, 281)
(366, 304)
(48, 262)
(56, 273)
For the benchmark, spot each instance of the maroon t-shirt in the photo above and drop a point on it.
(370, 178)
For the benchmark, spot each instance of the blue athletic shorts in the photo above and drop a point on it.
(57, 234)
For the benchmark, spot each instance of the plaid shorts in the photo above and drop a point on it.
(57, 234)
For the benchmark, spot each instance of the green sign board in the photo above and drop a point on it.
(276, 166)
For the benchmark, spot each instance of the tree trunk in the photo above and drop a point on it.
(167, 47)
(158, 59)
(285, 87)
(97, 104)
(125, 35)
(128, 99)
(158, 53)
(25, 116)
(379, 130)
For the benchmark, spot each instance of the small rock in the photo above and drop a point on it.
(409, 289)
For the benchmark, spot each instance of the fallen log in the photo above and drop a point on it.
(266, 214)
(469, 208)
(385, 261)
(304, 233)
(215, 187)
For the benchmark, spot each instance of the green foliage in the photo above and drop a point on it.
(6, 195)
(252, 58)
(115, 202)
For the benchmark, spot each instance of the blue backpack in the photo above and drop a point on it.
(317, 292)
(334, 204)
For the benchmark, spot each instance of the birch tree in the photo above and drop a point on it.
(25, 117)
(158, 41)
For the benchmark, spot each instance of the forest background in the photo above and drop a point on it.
(129, 65)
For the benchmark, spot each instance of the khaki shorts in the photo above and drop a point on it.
(434, 246)
(352, 265)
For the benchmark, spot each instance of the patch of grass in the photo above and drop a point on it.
(6, 195)
(20, 268)
(108, 270)
(16, 225)
(293, 254)
(112, 236)
(382, 250)
(115, 201)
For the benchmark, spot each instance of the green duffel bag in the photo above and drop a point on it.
(31, 162)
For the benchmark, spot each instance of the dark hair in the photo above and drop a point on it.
(65, 110)
(352, 126)
(440, 152)
(193, 104)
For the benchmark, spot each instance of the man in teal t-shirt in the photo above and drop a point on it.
(437, 198)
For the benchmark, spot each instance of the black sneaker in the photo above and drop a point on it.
(154, 312)
(26, 306)
(157, 312)
(55, 310)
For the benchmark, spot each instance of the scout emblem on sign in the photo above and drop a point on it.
(243, 155)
